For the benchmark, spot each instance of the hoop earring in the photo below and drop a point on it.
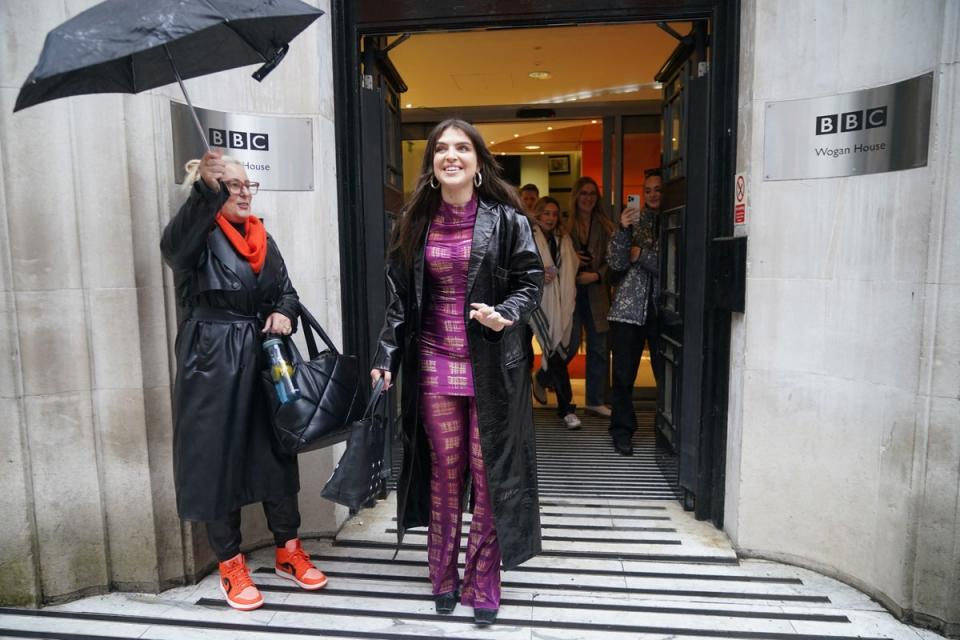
(477, 179)
(433, 182)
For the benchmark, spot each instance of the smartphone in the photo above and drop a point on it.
(633, 201)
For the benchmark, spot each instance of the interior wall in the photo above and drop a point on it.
(88, 321)
(533, 170)
(844, 446)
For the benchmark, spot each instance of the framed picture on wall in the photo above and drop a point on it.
(558, 164)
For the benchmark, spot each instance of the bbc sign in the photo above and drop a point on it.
(238, 139)
(852, 121)
(276, 151)
(869, 131)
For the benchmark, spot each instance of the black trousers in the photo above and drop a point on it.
(627, 342)
(558, 378)
(283, 519)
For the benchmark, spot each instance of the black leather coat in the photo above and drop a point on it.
(223, 447)
(504, 270)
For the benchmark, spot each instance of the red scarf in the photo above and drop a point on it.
(252, 245)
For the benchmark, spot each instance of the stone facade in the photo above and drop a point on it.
(844, 414)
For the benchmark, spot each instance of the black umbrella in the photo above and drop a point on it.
(128, 46)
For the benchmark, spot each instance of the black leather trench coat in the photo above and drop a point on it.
(223, 446)
(504, 270)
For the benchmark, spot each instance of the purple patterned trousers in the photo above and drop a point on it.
(453, 432)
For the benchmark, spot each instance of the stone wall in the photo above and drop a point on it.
(844, 439)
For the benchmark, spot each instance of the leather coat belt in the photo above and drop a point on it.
(212, 314)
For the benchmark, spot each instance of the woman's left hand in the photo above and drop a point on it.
(488, 316)
(278, 323)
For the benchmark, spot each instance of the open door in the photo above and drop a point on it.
(382, 192)
(683, 256)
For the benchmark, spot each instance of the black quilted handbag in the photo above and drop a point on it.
(329, 401)
(359, 476)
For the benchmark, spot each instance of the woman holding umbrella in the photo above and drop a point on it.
(464, 275)
(232, 287)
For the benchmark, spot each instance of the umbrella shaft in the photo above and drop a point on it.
(193, 112)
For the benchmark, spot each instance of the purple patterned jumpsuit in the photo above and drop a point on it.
(449, 413)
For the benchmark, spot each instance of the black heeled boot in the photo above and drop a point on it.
(446, 602)
(484, 617)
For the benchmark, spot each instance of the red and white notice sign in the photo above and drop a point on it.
(740, 200)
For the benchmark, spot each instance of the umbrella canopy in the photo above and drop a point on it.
(127, 46)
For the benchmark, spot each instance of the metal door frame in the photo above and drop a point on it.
(354, 19)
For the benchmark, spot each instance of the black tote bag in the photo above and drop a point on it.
(359, 476)
(329, 401)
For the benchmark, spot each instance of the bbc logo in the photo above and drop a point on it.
(852, 121)
(239, 140)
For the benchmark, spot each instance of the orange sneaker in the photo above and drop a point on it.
(236, 585)
(294, 564)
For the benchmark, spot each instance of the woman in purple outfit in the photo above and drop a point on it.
(464, 276)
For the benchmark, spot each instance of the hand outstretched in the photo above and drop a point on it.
(488, 316)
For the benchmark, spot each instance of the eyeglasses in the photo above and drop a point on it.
(235, 187)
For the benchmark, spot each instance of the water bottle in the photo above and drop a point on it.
(281, 371)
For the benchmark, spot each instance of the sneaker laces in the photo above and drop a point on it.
(300, 561)
(238, 575)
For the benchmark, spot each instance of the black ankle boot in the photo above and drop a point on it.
(484, 617)
(446, 602)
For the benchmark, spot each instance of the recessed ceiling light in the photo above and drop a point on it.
(408, 105)
(593, 122)
(516, 135)
(541, 153)
(540, 75)
(493, 142)
(549, 128)
(532, 147)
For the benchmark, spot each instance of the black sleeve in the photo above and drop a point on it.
(288, 302)
(526, 277)
(390, 346)
(185, 236)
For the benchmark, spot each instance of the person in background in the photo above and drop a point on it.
(560, 264)
(463, 277)
(633, 252)
(232, 288)
(590, 230)
(529, 194)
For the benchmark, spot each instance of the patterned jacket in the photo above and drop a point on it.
(642, 277)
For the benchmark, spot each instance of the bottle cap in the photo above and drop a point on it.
(269, 342)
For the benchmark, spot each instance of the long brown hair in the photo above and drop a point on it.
(426, 200)
(597, 212)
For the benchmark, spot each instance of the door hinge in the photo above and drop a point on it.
(367, 81)
(703, 68)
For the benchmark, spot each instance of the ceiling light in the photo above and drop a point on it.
(408, 105)
(532, 147)
(516, 135)
(549, 128)
(540, 75)
(493, 142)
(593, 122)
(541, 153)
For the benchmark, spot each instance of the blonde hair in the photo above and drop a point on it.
(561, 229)
(192, 169)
